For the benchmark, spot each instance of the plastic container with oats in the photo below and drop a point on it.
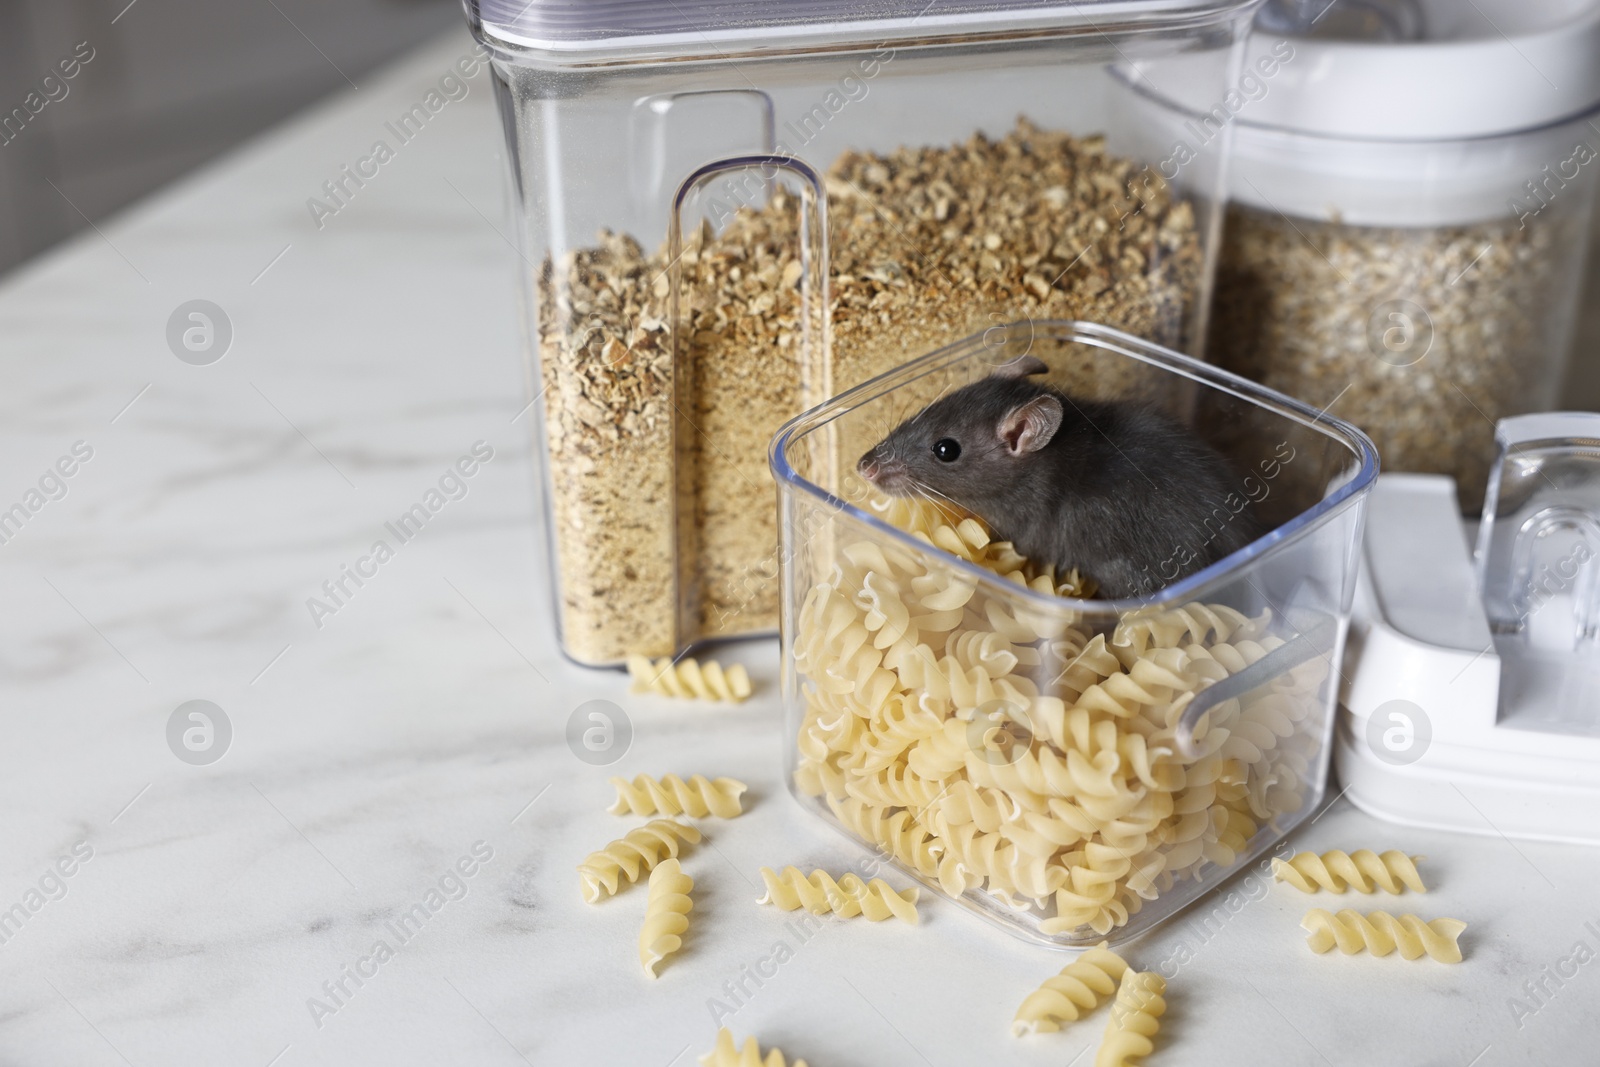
(1406, 238)
(1067, 768)
(731, 211)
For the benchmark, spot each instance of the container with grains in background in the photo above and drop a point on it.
(731, 211)
(1410, 197)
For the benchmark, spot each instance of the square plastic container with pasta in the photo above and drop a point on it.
(1069, 768)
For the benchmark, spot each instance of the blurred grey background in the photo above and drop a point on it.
(172, 84)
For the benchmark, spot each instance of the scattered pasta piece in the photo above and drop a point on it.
(1076, 991)
(666, 914)
(671, 795)
(1135, 1018)
(726, 1054)
(1363, 870)
(689, 679)
(627, 856)
(849, 896)
(1381, 933)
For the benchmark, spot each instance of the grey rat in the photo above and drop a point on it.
(1121, 492)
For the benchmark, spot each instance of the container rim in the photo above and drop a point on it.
(585, 33)
(1113, 340)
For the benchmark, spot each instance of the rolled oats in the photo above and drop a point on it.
(1423, 337)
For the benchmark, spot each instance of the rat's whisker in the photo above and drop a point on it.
(901, 415)
(956, 511)
(884, 419)
(922, 494)
(948, 386)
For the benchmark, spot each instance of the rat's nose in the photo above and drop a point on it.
(868, 467)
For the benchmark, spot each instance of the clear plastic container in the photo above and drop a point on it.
(1407, 233)
(1067, 768)
(731, 211)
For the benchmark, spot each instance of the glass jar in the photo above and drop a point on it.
(1406, 238)
(728, 214)
(1068, 768)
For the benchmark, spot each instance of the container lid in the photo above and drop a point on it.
(1439, 112)
(652, 29)
(1468, 70)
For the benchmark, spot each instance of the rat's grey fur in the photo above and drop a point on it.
(1124, 494)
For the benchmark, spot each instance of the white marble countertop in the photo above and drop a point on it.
(428, 713)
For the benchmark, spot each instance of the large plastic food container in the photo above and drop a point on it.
(1410, 215)
(729, 211)
(1067, 768)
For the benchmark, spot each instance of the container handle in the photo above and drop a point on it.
(762, 174)
(815, 324)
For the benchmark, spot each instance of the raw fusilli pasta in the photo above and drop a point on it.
(689, 679)
(1076, 991)
(1135, 1018)
(726, 1054)
(1381, 933)
(899, 834)
(996, 748)
(639, 850)
(1362, 870)
(666, 914)
(671, 795)
(849, 896)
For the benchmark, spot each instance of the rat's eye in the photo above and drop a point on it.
(947, 449)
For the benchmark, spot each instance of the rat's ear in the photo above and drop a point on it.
(1029, 427)
(1021, 367)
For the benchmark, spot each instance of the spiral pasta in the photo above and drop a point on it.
(671, 795)
(727, 1054)
(1077, 990)
(895, 785)
(689, 679)
(900, 834)
(1135, 1019)
(640, 850)
(999, 748)
(1381, 933)
(666, 915)
(1362, 870)
(849, 896)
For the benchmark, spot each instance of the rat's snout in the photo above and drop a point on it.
(883, 471)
